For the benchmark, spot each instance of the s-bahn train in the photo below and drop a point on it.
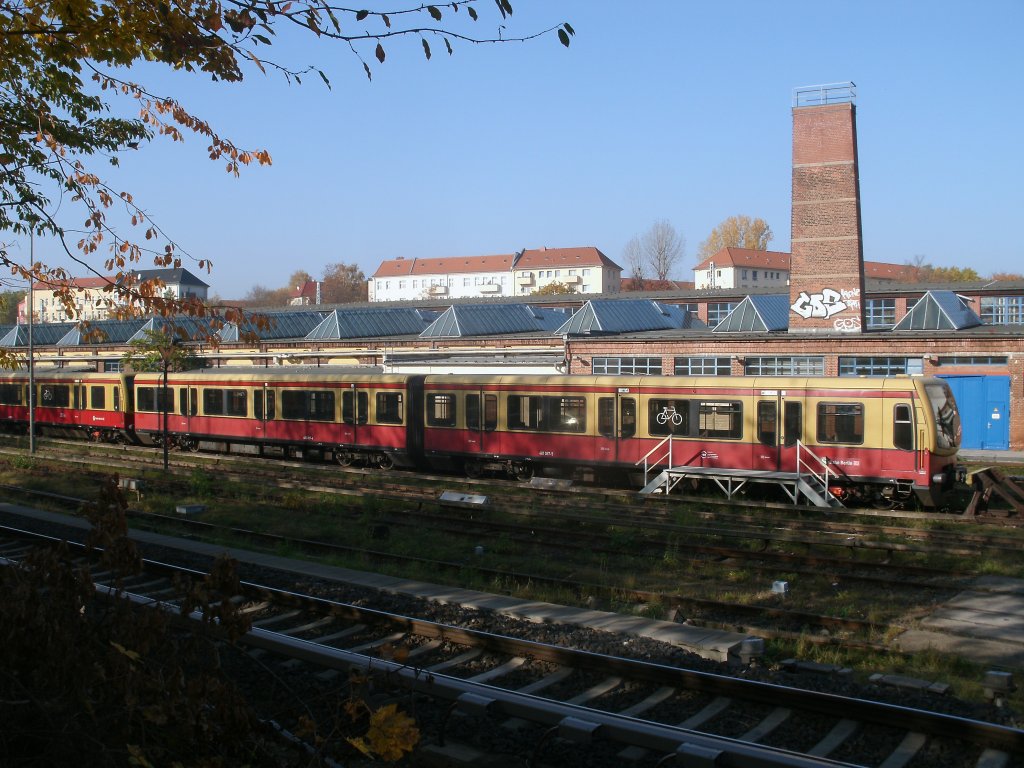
(888, 440)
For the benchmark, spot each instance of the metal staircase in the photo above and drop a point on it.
(811, 480)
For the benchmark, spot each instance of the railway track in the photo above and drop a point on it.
(406, 484)
(556, 705)
(765, 621)
(753, 549)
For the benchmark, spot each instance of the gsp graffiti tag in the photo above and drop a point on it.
(825, 304)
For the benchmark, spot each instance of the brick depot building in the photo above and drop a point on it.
(826, 324)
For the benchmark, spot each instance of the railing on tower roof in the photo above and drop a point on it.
(829, 93)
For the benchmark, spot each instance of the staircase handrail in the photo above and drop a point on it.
(802, 463)
(667, 455)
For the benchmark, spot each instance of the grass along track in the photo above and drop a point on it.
(646, 564)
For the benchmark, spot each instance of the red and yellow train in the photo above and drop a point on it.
(886, 439)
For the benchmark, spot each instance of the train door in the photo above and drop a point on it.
(616, 424)
(481, 422)
(264, 408)
(779, 424)
(79, 404)
(355, 410)
(767, 445)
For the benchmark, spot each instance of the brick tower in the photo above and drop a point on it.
(826, 279)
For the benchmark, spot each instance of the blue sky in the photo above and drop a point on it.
(666, 109)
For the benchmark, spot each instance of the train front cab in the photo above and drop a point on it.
(939, 441)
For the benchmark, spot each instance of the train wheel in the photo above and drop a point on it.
(473, 468)
(384, 461)
(189, 444)
(521, 470)
(344, 458)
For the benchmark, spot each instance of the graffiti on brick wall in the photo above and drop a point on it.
(829, 303)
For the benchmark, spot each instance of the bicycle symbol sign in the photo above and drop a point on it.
(669, 414)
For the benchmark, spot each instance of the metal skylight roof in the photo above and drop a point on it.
(627, 316)
(42, 334)
(765, 312)
(372, 322)
(283, 325)
(177, 327)
(938, 311)
(101, 332)
(493, 320)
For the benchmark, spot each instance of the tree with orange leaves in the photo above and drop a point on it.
(68, 107)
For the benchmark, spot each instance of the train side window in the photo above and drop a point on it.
(10, 394)
(627, 417)
(271, 404)
(571, 415)
(390, 408)
(257, 405)
(721, 419)
(193, 401)
(293, 404)
(668, 417)
(77, 399)
(213, 402)
(490, 413)
(321, 406)
(606, 416)
(841, 423)
(473, 412)
(523, 412)
(117, 398)
(55, 395)
(441, 410)
(183, 400)
(767, 422)
(794, 424)
(98, 398)
(236, 402)
(145, 399)
(903, 427)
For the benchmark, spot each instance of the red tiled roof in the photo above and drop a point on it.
(84, 283)
(445, 265)
(307, 290)
(747, 257)
(879, 270)
(626, 284)
(587, 256)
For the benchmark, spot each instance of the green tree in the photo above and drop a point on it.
(736, 232)
(147, 355)
(67, 107)
(921, 271)
(554, 289)
(343, 284)
(9, 301)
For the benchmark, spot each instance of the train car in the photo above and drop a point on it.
(98, 405)
(357, 417)
(887, 439)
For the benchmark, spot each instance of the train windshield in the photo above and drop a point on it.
(947, 417)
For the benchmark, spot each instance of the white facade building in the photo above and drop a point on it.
(453, 278)
(586, 270)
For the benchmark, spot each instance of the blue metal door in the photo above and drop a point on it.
(984, 403)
